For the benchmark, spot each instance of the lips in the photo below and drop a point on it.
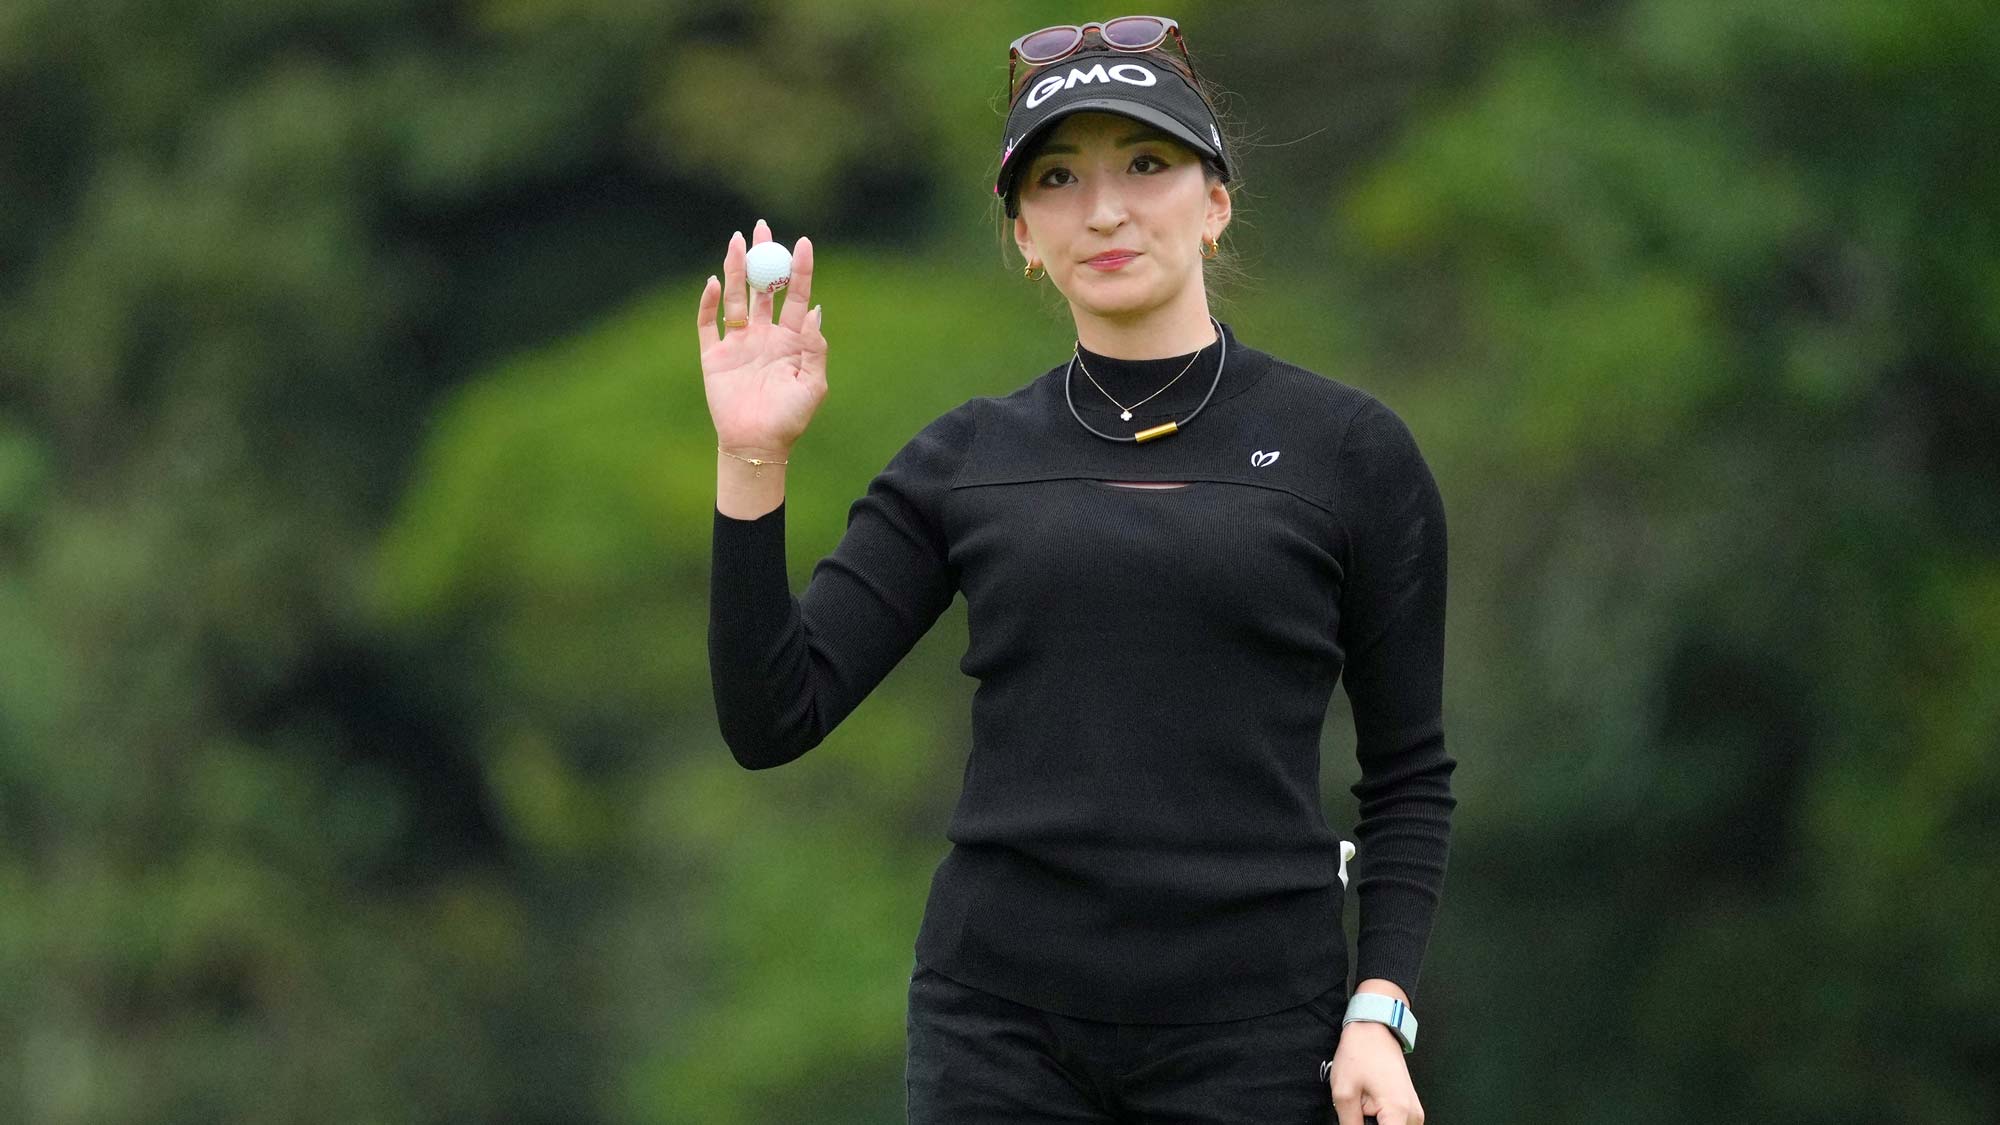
(1112, 260)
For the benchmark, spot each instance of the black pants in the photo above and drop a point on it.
(976, 1058)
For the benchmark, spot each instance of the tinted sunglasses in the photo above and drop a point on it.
(1134, 34)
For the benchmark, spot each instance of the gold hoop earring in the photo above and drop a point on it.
(1028, 271)
(1209, 247)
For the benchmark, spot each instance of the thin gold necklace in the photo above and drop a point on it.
(1127, 415)
(1152, 433)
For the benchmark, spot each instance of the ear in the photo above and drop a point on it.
(1021, 239)
(1218, 208)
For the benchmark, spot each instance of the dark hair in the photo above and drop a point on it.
(1221, 273)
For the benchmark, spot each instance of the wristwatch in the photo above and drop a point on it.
(1377, 1008)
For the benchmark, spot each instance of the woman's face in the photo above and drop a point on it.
(1102, 181)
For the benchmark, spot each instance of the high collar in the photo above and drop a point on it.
(1129, 380)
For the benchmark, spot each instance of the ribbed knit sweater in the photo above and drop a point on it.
(1140, 836)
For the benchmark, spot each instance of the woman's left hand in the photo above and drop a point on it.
(1369, 1076)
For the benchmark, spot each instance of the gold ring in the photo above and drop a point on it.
(741, 323)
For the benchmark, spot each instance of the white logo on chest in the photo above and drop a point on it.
(1260, 458)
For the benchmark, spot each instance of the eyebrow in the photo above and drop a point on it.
(1141, 135)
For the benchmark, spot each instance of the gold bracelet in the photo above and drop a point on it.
(760, 462)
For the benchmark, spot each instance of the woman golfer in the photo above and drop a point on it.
(1172, 545)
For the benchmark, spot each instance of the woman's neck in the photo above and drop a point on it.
(1150, 338)
(1106, 384)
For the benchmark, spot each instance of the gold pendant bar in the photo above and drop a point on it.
(1159, 431)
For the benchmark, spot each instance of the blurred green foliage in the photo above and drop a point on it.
(356, 756)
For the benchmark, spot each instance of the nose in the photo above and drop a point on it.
(1107, 206)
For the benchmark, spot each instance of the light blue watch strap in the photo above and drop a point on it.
(1377, 1008)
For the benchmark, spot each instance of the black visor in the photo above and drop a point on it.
(1134, 85)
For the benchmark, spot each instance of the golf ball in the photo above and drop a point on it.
(769, 266)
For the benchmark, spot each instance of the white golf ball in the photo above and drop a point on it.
(769, 265)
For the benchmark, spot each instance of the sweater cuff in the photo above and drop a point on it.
(1390, 953)
(750, 590)
(745, 552)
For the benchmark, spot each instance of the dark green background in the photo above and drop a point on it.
(357, 760)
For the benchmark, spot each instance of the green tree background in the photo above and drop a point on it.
(357, 762)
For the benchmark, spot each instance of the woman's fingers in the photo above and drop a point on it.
(705, 328)
(760, 303)
(740, 302)
(798, 291)
(735, 295)
(1346, 1101)
(812, 357)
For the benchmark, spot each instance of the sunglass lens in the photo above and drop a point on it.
(1049, 43)
(1135, 33)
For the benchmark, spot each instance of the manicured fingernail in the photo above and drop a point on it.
(739, 234)
(711, 279)
(819, 315)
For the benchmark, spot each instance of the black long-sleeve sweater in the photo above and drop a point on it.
(1140, 836)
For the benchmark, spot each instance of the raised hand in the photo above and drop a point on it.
(765, 380)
